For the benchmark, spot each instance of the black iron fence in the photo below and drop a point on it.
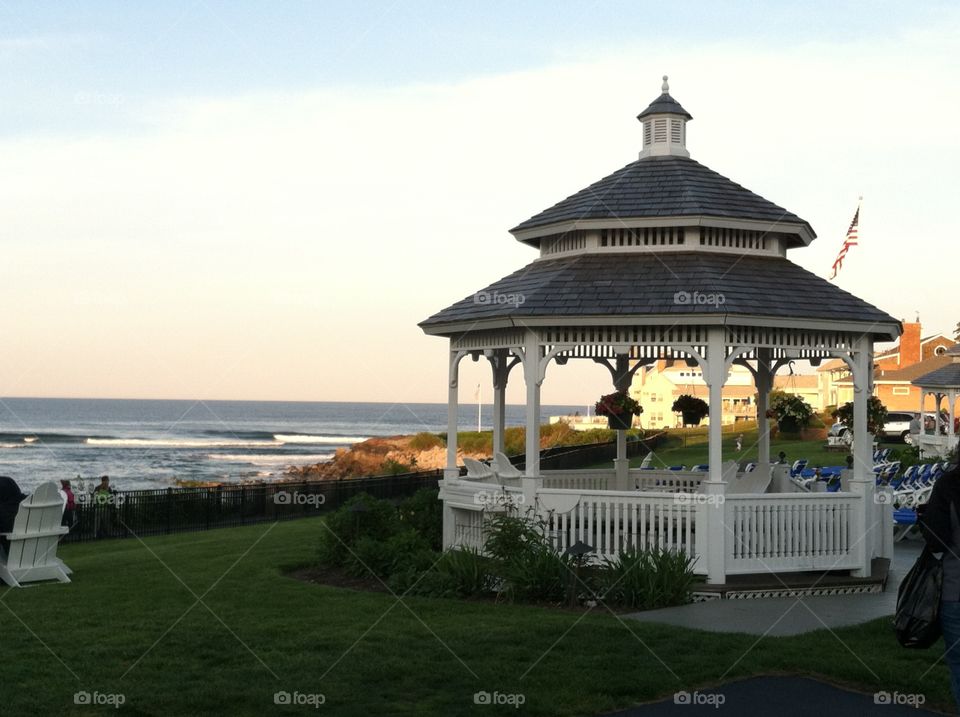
(173, 510)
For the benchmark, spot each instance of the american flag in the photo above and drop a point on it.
(851, 240)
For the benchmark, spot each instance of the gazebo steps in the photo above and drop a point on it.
(746, 587)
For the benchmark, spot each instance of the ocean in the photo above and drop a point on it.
(151, 443)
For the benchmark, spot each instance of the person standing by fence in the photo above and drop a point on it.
(104, 500)
(70, 504)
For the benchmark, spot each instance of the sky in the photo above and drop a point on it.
(233, 200)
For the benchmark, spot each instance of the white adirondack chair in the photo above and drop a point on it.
(32, 555)
(504, 468)
(477, 470)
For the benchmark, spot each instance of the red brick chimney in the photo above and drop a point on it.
(910, 344)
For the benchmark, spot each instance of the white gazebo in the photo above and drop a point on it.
(943, 383)
(665, 258)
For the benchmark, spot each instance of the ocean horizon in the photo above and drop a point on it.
(153, 443)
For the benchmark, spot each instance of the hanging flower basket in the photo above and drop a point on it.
(620, 421)
(691, 418)
(619, 408)
(692, 409)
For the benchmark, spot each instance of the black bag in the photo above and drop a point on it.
(917, 619)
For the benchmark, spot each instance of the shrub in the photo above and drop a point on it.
(525, 561)
(424, 441)
(391, 467)
(476, 442)
(876, 415)
(346, 526)
(507, 535)
(423, 512)
(647, 579)
(403, 551)
(537, 573)
(467, 570)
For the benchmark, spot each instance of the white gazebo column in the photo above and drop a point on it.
(499, 362)
(532, 378)
(621, 382)
(453, 408)
(713, 509)
(951, 398)
(923, 420)
(764, 383)
(865, 519)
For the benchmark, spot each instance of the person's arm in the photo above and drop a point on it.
(934, 518)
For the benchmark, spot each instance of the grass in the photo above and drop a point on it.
(690, 448)
(131, 623)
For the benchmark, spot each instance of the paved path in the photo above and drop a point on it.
(779, 617)
(786, 696)
(782, 697)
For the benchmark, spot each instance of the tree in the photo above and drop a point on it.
(876, 415)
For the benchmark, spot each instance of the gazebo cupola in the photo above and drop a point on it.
(664, 126)
(664, 201)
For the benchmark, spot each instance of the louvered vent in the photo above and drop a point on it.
(647, 133)
(660, 130)
(676, 131)
(647, 236)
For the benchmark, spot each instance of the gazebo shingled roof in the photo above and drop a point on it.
(665, 104)
(591, 285)
(946, 376)
(665, 186)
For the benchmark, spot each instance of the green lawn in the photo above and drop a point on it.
(690, 448)
(131, 624)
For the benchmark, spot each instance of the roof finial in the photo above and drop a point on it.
(666, 87)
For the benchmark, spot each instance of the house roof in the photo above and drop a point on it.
(677, 284)
(665, 186)
(832, 365)
(908, 373)
(703, 391)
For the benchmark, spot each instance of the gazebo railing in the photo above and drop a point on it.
(791, 532)
(761, 533)
(614, 521)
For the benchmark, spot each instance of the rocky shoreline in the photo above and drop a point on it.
(380, 456)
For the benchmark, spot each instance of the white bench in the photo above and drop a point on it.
(37, 529)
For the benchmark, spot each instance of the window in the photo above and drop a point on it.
(940, 350)
(901, 391)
